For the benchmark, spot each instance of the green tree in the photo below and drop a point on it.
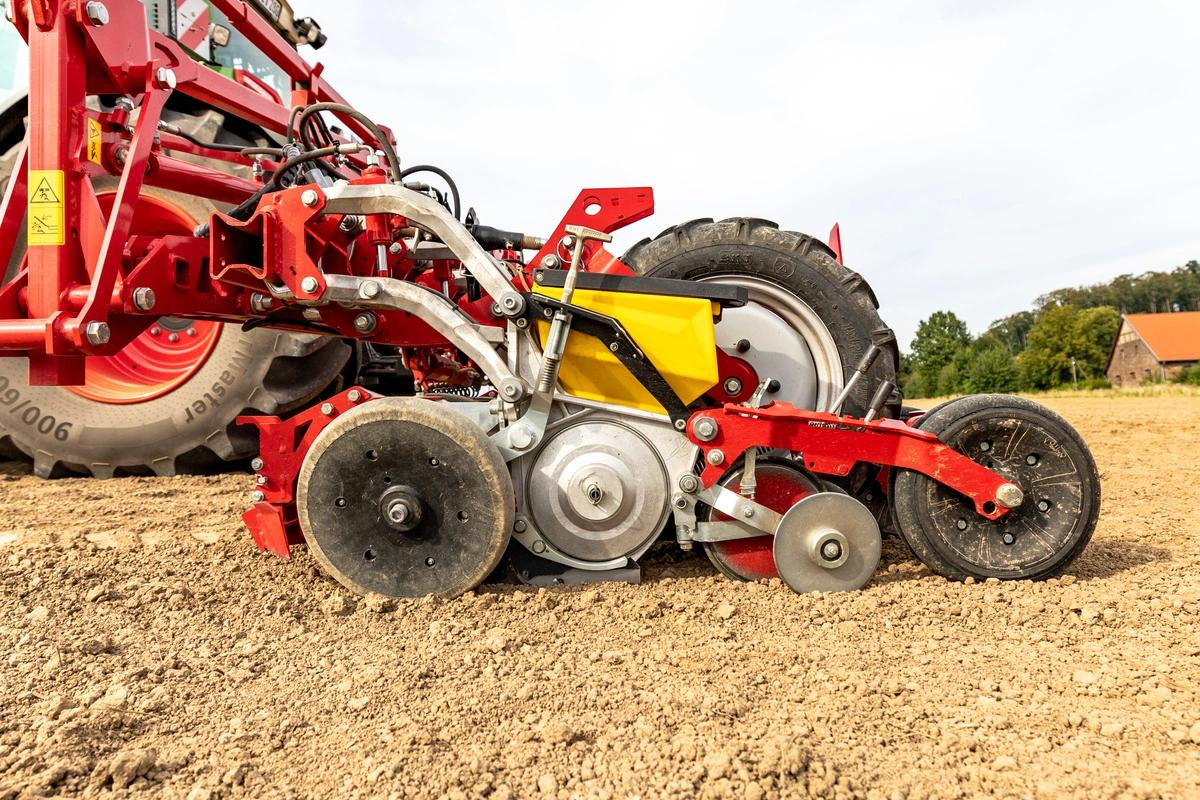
(1063, 333)
(938, 342)
(1013, 330)
(991, 367)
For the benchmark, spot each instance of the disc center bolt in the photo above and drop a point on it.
(831, 550)
(401, 508)
(595, 494)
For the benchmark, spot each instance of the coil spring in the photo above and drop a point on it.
(454, 391)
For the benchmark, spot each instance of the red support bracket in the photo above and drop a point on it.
(283, 444)
(604, 210)
(832, 445)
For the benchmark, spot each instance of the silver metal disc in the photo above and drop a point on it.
(827, 542)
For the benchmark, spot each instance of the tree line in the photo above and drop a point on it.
(1064, 340)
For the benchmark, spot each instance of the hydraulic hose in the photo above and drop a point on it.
(441, 173)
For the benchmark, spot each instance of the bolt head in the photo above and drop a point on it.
(354, 395)
(97, 333)
(309, 197)
(706, 429)
(747, 511)
(155, 331)
(365, 322)
(260, 302)
(689, 483)
(1009, 495)
(716, 457)
(191, 331)
(261, 480)
(550, 261)
(510, 302)
(1043, 505)
(257, 464)
(520, 526)
(143, 298)
(257, 497)
(97, 14)
(174, 337)
(165, 78)
(396, 248)
(1008, 538)
(309, 285)
(327, 409)
(370, 289)
(733, 386)
(831, 551)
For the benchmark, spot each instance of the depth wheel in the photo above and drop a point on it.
(1031, 446)
(405, 498)
(781, 484)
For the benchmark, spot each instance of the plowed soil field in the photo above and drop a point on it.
(149, 650)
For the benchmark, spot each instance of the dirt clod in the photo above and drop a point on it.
(174, 660)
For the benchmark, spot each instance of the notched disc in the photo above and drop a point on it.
(827, 542)
(405, 497)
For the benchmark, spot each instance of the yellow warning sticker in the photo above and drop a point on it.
(47, 218)
(93, 141)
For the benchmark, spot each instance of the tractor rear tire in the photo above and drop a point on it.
(836, 313)
(186, 424)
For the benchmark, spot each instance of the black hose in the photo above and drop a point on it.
(376, 131)
(441, 173)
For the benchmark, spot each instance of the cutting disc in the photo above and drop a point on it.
(827, 542)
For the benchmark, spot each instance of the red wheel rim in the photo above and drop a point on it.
(780, 487)
(167, 354)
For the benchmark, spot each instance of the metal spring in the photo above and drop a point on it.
(454, 391)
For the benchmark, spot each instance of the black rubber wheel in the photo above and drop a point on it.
(837, 315)
(451, 485)
(191, 427)
(1040, 452)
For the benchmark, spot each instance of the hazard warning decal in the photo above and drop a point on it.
(93, 141)
(47, 217)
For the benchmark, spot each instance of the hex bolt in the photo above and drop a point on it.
(165, 78)
(706, 429)
(261, 480)
(1008, 538)
(716, 457)
(327, 409)
(260, 302)
(521, 437)
(511, 390)
(831, 550)
(97, 333)
(257, 464)
(143, 298)
(396, 248)
(1009, 495)
(520, 526)
(550, 261)
(733, 387)
(985, 446)
(748, 511)
(125, 103)
(309, 197)
(97, 14)
(689, 484)
(1031, 459)
(354, 395)
(961, 524)
(496, 310)
(257, 497)
(1043, 506)
(370, 289)
(365, 322)
(309, 285)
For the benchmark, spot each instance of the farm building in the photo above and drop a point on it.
(1153, 347)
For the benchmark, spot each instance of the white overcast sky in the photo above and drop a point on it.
(976, 153)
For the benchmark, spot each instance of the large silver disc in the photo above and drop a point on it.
(827, 542)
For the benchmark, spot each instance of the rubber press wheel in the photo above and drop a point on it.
(1033, 447)
(809, 319)
(405, 497)
(167, 401)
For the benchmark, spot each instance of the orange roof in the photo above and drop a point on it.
(1171, 337)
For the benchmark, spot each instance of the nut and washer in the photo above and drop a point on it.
(97, 333)
(550, 261)
(260, 302)
(165, 78)
(257, 464)
(97, 14)
(257, 497)
(327, 409)
(143, 298)
(689, 484)
(370, 289)
(309, 197)
(733, 387)
(309, 285)
(716, 457)
(365, 322)
(706, 429)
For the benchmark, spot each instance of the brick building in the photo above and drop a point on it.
(1153, 347)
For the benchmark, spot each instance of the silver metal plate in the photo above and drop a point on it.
(827, 542)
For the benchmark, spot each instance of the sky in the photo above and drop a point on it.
(976, 154)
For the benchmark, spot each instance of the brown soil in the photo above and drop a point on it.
(150, 650)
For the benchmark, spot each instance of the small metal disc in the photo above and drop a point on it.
(827, 542)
